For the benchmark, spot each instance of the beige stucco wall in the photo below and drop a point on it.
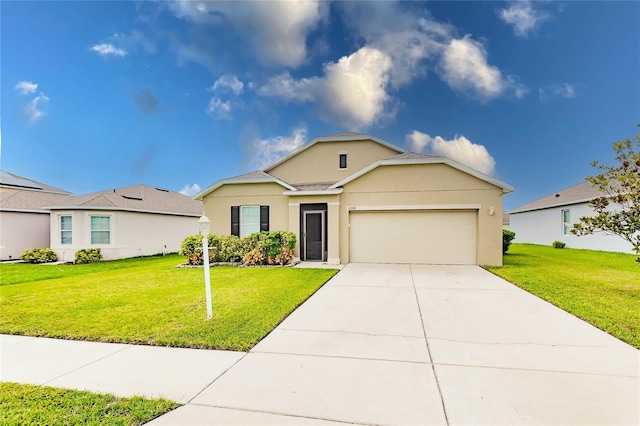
(22, 230)
(429, 185)
(217, 204)
(425, 185)
(132, 233)
(319, 163)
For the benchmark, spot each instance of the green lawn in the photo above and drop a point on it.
(150, 301)
(43, 405)
(15, 273)
(600, 287)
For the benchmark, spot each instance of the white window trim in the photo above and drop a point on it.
(110, 231)
(565, 223)
(242, 224)
(65, 230)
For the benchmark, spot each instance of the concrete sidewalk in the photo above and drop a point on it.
(378, 344)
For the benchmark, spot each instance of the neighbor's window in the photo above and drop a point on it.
(249, 220)
(100, 229)
(343, 161)
(65, 230)
(566, 222)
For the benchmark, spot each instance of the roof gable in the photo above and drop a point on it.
(413, 158)
(337, 137)
(257, 176)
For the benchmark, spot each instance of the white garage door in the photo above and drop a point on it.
(432, 237)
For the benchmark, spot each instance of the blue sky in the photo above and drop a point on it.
(179, 94)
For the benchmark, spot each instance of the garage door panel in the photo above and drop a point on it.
(432, 237)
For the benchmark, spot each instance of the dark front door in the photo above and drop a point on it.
(314, 235)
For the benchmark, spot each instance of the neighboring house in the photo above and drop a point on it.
(24, 223)
(352, 197)
(124, 222)
(505, 221)
(552, 217)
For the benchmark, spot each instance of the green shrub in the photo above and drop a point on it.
(260, 248)
(558, 244)
(88, 255)
(39, 255)
(507, 237)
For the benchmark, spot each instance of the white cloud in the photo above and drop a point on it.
(108, 49)
(465, 68)
(523, 17)
(265, 151)
(219, 109)
(564, 90)
(277, 30)
(352, 90)
(190, 190)
(228, 82)
(409, 36)
(26, 87)
(459, 149)
(33, 110)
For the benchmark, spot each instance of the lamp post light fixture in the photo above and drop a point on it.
(204, 223)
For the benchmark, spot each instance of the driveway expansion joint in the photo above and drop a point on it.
(128, 346)
(523, 343)
(493, 367)
(217, 377)
(354, 332)
(278, 413)
(404, 361)
(426, 341)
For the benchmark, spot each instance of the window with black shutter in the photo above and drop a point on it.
(245, 222)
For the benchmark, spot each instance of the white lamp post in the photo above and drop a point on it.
(204, 231)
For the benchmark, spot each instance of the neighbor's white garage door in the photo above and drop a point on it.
(413, 236)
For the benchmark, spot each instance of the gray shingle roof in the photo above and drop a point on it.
(17, 200)
(134, 198)
(411, 156)
(18, 193)
(253, 176)
(583, 191)
(318, 186)
(14, 181)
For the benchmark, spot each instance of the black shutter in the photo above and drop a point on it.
(264, 218)
(235, 220)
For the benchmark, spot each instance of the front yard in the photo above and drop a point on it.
(150, 301)
(602, 288)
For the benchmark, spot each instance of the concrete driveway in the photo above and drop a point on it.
(416, 344)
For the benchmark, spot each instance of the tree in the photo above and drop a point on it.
(618, 209)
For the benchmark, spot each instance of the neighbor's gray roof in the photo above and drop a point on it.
(18, 193)
(142, 198)
(575, 194)
(29, 200)
(14, 181)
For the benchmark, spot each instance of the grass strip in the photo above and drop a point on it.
(22, 404)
